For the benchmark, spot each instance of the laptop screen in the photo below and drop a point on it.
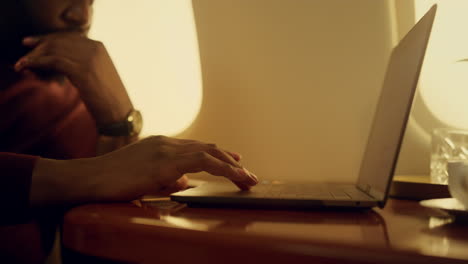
(393, 108)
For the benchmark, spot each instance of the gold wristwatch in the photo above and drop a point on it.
(131, 126)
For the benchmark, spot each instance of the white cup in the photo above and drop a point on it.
(458, 181)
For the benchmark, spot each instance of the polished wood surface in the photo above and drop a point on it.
(159, 232)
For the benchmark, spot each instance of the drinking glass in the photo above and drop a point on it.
(448, 145)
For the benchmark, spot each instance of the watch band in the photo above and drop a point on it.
(118, 129)
(131, 126)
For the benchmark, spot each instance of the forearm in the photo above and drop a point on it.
(149, 165)
(64, 182)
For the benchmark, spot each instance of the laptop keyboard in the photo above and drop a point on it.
(306, 191)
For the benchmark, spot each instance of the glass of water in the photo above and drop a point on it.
(448, 145)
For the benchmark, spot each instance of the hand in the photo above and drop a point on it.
(146, 166)
(156, 163)
(87, 65)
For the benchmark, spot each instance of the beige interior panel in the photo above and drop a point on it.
(291, 85)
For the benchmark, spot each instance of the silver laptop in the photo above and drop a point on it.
(380, 156)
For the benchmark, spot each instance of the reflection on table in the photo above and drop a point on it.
(158, 231)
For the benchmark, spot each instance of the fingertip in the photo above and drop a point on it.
(242, 186)
(30, 41)
(20, 64)
(241, 175)
(252, 176)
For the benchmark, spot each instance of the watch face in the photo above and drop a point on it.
(136, 121)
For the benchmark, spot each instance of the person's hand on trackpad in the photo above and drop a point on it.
(159, 164)
(154, 164)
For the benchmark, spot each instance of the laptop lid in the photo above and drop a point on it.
(392, 112)
(379, 160)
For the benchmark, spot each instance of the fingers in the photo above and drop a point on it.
(202, 161)
(32, 41)
(237, 157)
(200, 145)
(179, 185)
(44, 62)
(196, 156)
(190, 145)
(49, 52)
(222, 155)
(213, 150)
(234, 155)
(197, 145)
(43, 55)
(242, 186)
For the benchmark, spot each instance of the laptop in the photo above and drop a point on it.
(380, 155)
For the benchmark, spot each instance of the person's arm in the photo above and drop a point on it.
(91, 70)
(141, 168)
(145, 167)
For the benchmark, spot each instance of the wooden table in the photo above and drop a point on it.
(404, 232)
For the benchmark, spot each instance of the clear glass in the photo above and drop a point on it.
(448, 145)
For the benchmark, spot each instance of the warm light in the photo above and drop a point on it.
(154, 46)
(444, 81)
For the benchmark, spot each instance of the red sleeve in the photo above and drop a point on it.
(21, 239)
(46, 119)
(40, 119)
(15, 179)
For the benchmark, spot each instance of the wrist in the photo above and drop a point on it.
(108, 113)
(107, 105)
(64, 182)
(108, 144)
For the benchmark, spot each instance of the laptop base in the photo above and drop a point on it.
(275, 195)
